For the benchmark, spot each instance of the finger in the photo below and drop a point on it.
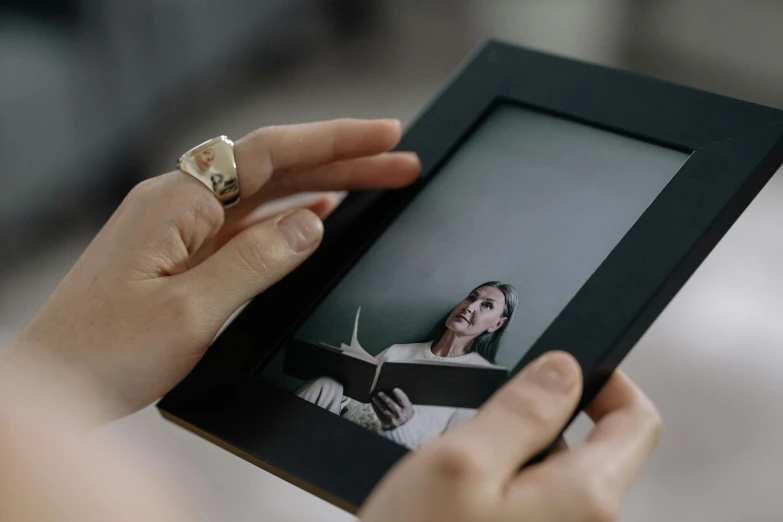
(628, 427)
(162, 220)
(392, 406)
(381, 411)
(259, 154)
(320, 203)
(619, 393)
(252, 261)
(402, 399)
(592, 480)
(326, 204)
(382, 171)
(524, 417)
(264, 210)
(560, 446)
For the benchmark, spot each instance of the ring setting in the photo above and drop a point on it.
(213, 164)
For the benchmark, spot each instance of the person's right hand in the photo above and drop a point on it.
(143, 303)
(472, 473)
(394, 411)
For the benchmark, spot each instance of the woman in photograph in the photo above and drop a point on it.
(471, 336)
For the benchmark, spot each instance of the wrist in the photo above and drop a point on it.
(36, 379)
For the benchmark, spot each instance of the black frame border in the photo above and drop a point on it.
(735, 148)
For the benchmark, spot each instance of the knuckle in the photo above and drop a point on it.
(196, 200)
(190, 190)
(647, 420)
(254, 252)
(260, 138)
(255, 156)
(263, 132)
(598, 501)
(452, 461)
(145, 190)
(519, 402)
(179, 198)
(654, 421)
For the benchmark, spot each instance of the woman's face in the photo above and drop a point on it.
(205, 158)
(479, 312)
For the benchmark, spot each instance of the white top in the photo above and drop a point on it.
(427, 422)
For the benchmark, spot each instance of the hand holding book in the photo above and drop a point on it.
(392, 411)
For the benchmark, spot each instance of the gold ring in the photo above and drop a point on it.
(213, 164)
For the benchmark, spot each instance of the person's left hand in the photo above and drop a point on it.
(392, 412)
(144, 301)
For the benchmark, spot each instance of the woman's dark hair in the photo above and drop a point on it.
(488, 343)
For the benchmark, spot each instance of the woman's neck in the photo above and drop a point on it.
(451, 345)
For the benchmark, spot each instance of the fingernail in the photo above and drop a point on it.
(392, 121)
(412, 155)
(301, 229)
(555, 372)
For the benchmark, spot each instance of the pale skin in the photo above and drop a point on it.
(144, 301)
(205, 158)
(480, 312)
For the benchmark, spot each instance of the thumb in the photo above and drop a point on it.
(254, 260)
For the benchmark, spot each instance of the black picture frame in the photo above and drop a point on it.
(735, 147)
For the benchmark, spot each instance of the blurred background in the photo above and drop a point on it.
(99, 94)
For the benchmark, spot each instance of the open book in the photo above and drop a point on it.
(361, 374)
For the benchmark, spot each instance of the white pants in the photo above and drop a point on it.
(327, 393)
(324, 392)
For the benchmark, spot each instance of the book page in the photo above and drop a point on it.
(377, 376)
(330, 347)
(355, 349)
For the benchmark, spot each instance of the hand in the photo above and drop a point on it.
(472, 473)
(392, 413)
(143, 303)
